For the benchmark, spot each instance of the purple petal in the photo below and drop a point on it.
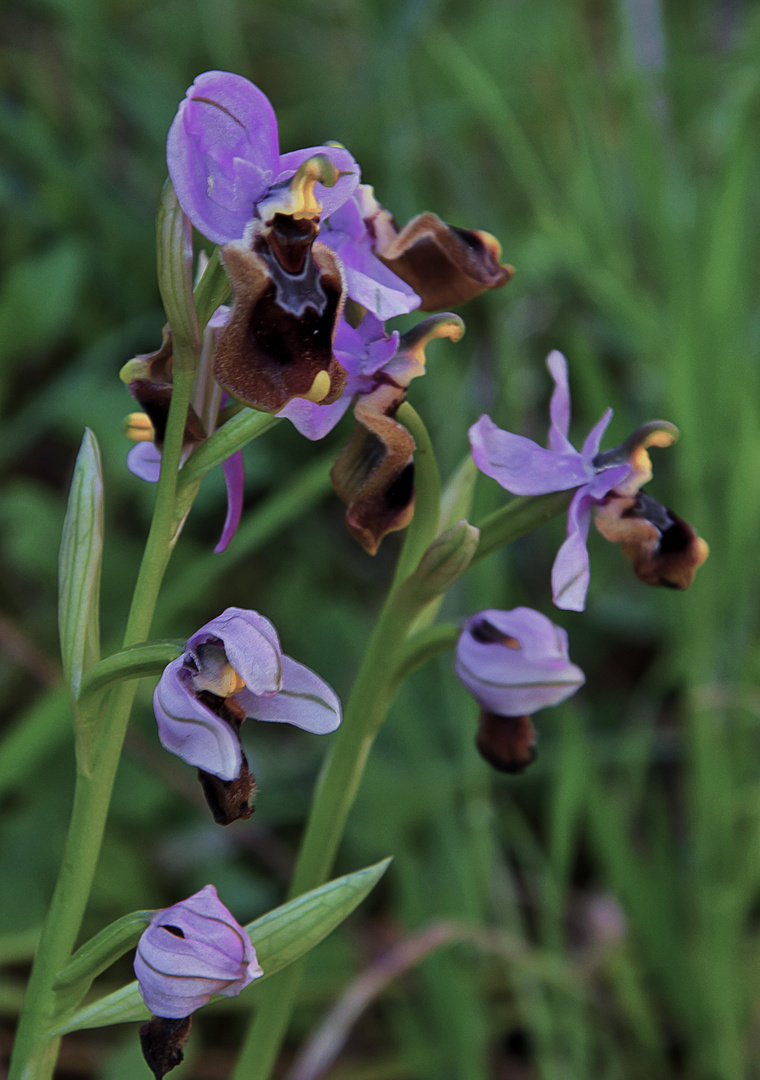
(189, 729)
(559, 407)
(368, 281)
(331, 198)
(190, 951)
(570, 573)
(519, 677)
(234, 478)
(222, 153)
(305, 701)
(521, 465)
(313, 420)
(251, 645)
(144, 460)
(594, 437)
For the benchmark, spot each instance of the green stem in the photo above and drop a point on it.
(368, 704)
(34, 1052)
(518, 518)
(136, 662)
(427, 482)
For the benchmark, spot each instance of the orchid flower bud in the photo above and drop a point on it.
(514, 663)
(191, 951)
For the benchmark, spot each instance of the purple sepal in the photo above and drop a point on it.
(234, 478)
(222, 152)
(368, 281)
(190, 729)
(223, 155)
(515, 662)
(305, 700)
(144, 461)
(251, 646)
(191, 951)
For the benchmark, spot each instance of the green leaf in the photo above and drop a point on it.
(101, 951)
(79, 566)
(280, 937)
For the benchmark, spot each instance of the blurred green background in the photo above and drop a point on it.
(600, 915)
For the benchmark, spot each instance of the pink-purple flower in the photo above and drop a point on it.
(525, 468)
(224, 157)
(513, 663)
(191, 951)
(233, 668)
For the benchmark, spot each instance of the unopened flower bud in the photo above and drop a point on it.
(514, 663)
(190, 952)
(446, 559)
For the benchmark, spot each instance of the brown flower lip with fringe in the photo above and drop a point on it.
(289, 294)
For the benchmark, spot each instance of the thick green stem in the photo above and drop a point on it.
(34, 1053)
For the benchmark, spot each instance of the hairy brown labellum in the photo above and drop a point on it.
(443, 264)
(278, 343)
(506, 742)
(374, 473)
(163, 1042)
(228, 800)
(665, 549)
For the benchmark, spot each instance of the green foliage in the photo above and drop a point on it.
(280, 937)
(623, 186)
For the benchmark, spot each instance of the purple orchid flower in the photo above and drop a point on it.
(191, 951)
(234, 668)
(514, 663)
(525, 468)
(224, 158)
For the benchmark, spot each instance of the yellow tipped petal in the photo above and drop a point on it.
(138, 427)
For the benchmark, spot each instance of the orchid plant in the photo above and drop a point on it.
(316, 267)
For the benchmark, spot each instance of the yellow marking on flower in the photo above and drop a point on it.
(138, 427)
(137, 368)
(233, 684)
(320, 388)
